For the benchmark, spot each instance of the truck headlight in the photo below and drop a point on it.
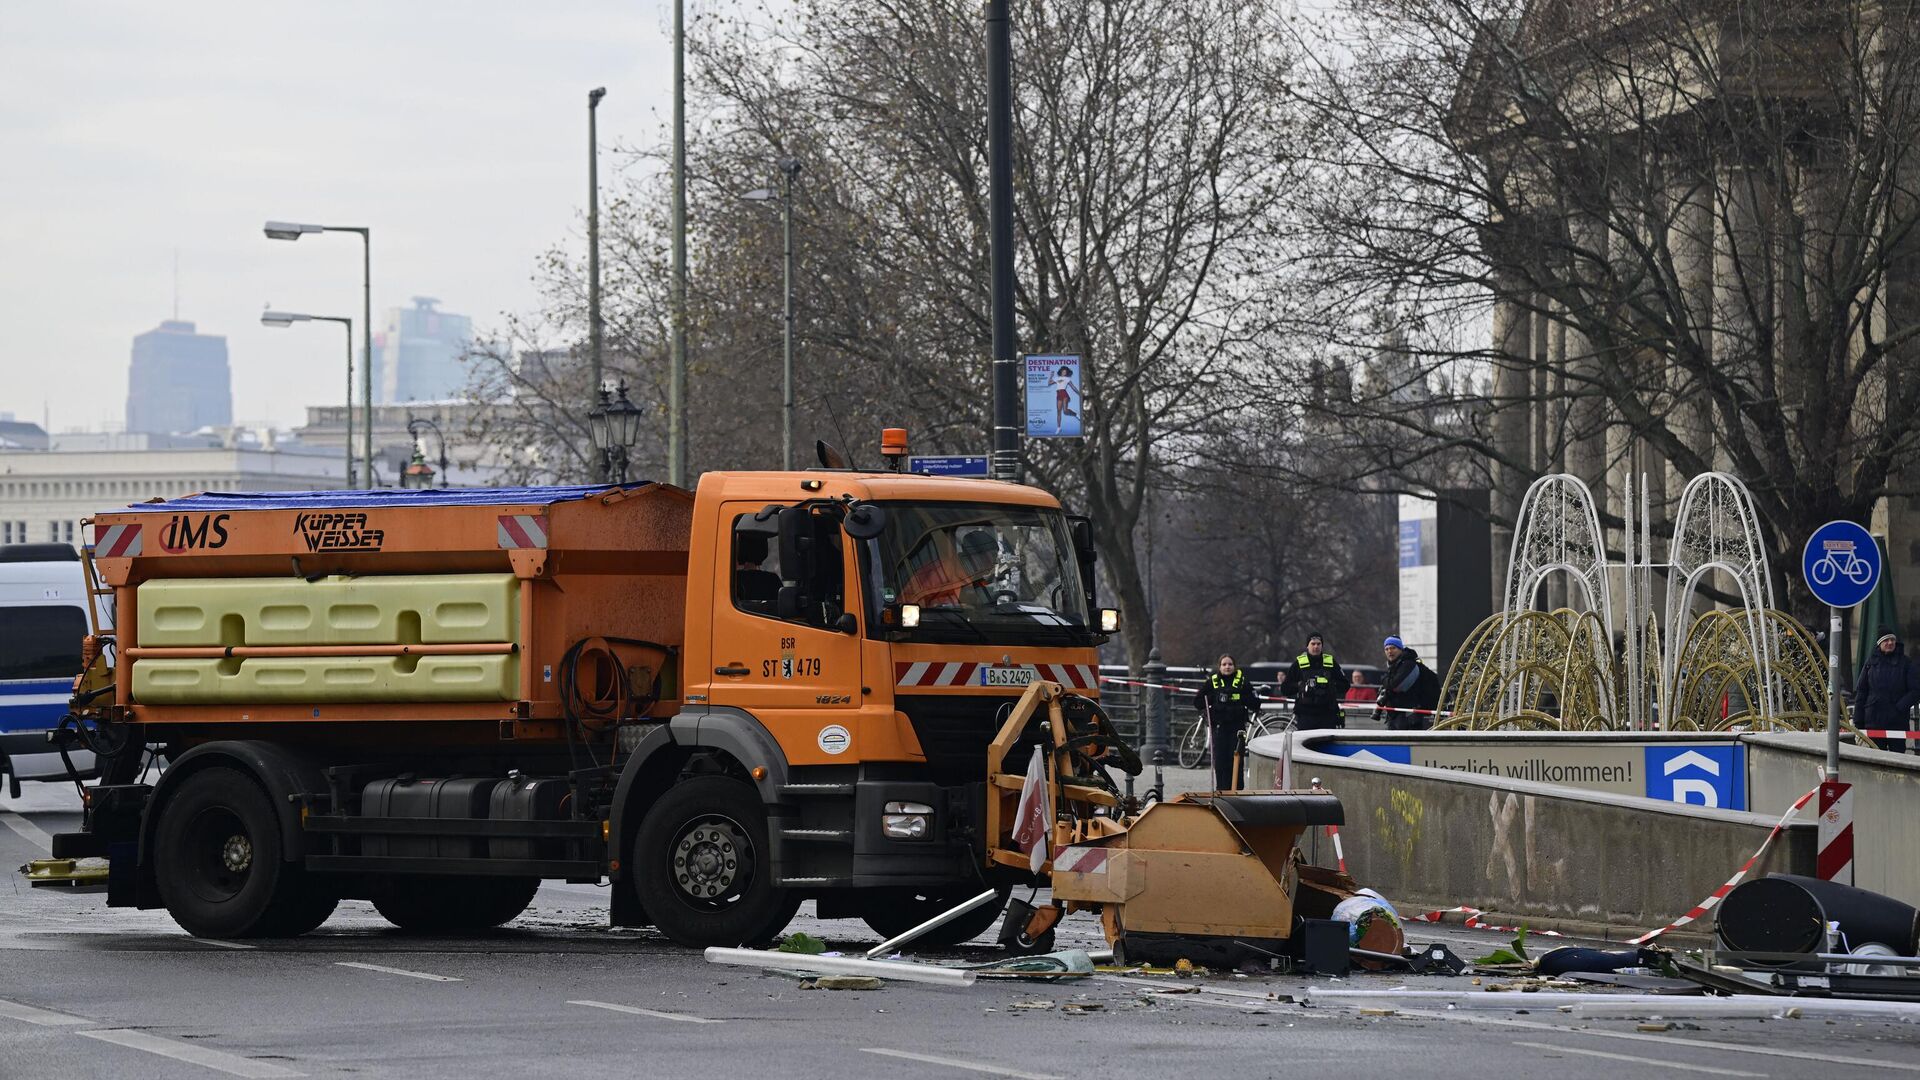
(907, 820)
(909, 615)
(1109, 620)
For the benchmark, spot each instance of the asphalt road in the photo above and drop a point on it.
(91, 992)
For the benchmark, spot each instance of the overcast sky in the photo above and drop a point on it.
(130, 130)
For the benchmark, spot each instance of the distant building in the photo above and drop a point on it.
(20, 435)
(416, 356)
(470, 463)
(44, 494)
(179, 381)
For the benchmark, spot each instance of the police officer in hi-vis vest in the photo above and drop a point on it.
(1317, 686)
(1225, 701)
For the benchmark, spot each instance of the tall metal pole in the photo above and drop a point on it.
(1833, 692)
(788, 168)
(366, 329)
(677, 364)
(347, 325)
(1006, 372)
(593, 247)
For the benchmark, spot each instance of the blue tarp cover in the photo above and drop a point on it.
(218, 501)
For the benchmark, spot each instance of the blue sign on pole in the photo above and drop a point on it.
(1841, 564)
(949, 465)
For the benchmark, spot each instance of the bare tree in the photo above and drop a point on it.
(1151, 153)
(1670, 235)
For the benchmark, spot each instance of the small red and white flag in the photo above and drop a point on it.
(1034, 820)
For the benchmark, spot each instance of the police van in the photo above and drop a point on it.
(43, 617)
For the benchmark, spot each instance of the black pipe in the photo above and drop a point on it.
(1006, 371)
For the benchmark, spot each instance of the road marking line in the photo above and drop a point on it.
(383, 969)
(13, 1010)
(1667, 1040)
(31, 833)
(1636, 1059)
(956, 1063)
(655, 1013)
(221, 944)
(232, 1064)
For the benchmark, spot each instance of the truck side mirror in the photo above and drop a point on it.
(1085, 554)
(796, 562)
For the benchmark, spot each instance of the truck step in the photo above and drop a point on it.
(820, 836)
(817, 790)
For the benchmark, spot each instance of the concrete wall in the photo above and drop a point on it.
(1886, 803)
(1431, 838)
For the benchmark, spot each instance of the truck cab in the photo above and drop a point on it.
(879, 626)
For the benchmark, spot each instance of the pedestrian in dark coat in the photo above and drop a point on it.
(1887, 690)
(1317, 684)
(1407, 685)
(1226, 701)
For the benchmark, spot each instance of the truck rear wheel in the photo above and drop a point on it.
(701, 865)
(442, 904)
(217, 860)
(895, 911)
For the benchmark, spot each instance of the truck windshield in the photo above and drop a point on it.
(980, 573)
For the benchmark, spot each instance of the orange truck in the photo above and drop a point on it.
(779, 687)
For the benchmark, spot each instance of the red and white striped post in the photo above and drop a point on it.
(1835, 859)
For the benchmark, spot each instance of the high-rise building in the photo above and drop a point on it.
(179, 381)
(416, 355)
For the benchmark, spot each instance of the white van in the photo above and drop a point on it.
(43, 617)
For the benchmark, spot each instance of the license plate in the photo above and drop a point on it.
(1007, 676)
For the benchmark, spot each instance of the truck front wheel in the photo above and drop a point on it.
(892, 912)
(701, 864)
(217, 861)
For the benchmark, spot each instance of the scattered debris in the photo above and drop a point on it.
(1653, 1027)
(1082, 1007)
(1038, 1006)
(802, 943)
(1377, 1012)
(842, 982)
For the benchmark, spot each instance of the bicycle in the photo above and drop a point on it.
(1827, 569)
(1195, 746)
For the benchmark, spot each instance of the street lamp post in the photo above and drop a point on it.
(789, 170)
(287, 230)
(594, 325)
(288, 318)
(677, 449)
(418, 473)
(615, 425)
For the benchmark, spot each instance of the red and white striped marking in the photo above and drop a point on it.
(933, 673)
(1475, 922)
(1339, 853)
(117, 542)
(962, 673)
(1720, 893)
(1078, 676)
(523, 531)
(1081, 860)
(1835, 859)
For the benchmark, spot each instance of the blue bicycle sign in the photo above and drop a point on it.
(1841, 563)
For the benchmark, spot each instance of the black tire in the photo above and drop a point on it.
(895, 911)
(439, 904)
(701, 865)
(218, 864)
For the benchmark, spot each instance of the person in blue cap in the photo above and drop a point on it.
(1407, 685)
